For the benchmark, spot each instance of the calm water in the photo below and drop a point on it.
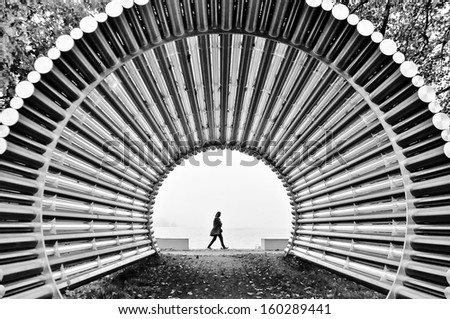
(235, 238)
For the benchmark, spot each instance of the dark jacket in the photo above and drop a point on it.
(217, 227)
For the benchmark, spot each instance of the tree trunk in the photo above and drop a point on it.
(387, 12)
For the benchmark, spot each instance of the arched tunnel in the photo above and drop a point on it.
(310, 89)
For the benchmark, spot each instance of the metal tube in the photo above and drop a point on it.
(359, 218)
(265, 87)
(164, 62)
(70, 73)
(87, 277)
(438, 170)
(377, 60)
(15, 271)
(367, 258)
(146, 120)
(69, 194)
(106, 28)
(188, 17)
(84, 209)
(98, 218)
(57, 227)
(434, 186)
(339, 13)
(38, 100)
(88, 235)
(365, 54)
(46, 291)
(357, 200)
(401, 77)
(152, 85)
(327, 152)
(279, 13)
(35, 131)
(18, 212)
(76, 59)
(347, 179)
(393, 207)
(175, 18)
(378, 284)
(97, 41)
(435, 244)
(243, 72)
(312, 126)
(365, 237)
(204, 57)
(88, 178)
(162, 18)
(307, 88)
(201, 14)
(423, 146)
(80, 187)
(126, 147)
(52, 74)
(183, 50)
(127, 156)
(342, 37)
(131, 14)
(78, 274)
(25, 142)
(18, 184)
(18, 154)
(347, 263)
(251, 85)
(353, 228)
(354, 249)
(57, 250)
(120, 25)
(335, 166)
(391, 68)
(38, 117)
(427, 272)
(426, 159)
(405, 115)
(390, 183)
(114, 167)
(308, 15)
(66, 260)
(145, 10)
(357, 42)
(421, 131)
(85, 163)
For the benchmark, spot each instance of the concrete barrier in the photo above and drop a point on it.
(273, 243)
(173, 243)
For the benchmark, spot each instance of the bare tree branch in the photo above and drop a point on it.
(387, 12)
(362, 3)
(443, 90)
(427, 23)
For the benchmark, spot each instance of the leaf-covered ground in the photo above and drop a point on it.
(223, 275)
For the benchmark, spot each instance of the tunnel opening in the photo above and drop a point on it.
(253, 202)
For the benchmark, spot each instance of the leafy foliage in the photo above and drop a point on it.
(421, 28)
(29, 31)
(239, 275)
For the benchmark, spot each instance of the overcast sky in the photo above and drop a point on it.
(249, 195)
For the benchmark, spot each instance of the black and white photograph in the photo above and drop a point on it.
(234, 158)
